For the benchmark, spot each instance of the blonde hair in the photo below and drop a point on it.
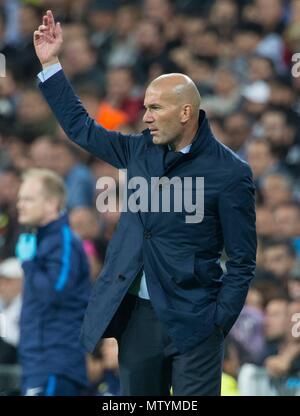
(52, 183)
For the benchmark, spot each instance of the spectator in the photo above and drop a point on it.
(84, 221)
(231, 367)
(276, 188)
(280, 258)
(11, 275)
(9, 187)
(260, 158)
(275, 324)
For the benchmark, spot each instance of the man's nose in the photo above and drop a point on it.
(148, 118)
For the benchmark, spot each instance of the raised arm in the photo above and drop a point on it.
(113, 147)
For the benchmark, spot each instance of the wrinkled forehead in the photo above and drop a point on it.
(159, 93)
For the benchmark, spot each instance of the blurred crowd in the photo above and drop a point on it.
(240, 53)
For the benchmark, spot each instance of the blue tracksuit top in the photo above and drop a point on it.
(55, 294)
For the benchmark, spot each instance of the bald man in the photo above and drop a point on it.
(162, 292)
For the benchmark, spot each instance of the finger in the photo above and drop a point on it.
(42, 28)
(58, 29)
(50, 19)
(37, 35)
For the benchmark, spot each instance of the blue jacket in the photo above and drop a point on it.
(188, 289)
(55, 295)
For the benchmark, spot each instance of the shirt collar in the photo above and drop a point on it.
(185, 149)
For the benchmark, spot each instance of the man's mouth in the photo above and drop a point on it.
(152, 131)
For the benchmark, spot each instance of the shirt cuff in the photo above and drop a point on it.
(49, 71)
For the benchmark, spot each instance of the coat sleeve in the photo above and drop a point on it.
(237, 216)
(113, 147)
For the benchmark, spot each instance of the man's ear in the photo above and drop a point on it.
(186, 113)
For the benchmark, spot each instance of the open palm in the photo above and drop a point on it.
(48, 40)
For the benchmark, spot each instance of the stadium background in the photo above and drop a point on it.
(240, 55)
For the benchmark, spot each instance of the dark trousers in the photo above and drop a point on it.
(149, 364)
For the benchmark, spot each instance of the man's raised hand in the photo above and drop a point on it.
(48, 40)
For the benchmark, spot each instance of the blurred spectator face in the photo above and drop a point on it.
(225, 83)
(218, 130)
(101, 20)
(295, 11)
(192, 27)
(9, 188)
(148, 36)
(294, 289)
(63, 159)
(126, 20)
(281, 95)
(237, 129)
(119, 84)
(101, 168)
(224, 12)
(9, 288)
(18, 153)
(255, 299)
(84, 222)
(246, 42)
(8, 85)
(287, 221)
(264, 222)
(232, 363)
(276, 319)
(206, 44)
(275, 128)
(74, 31)
(41, 152)
(260, 69)
(278, 261)
(78, 56)
(34, 207)
(276, 190)
(29, 20)
(32, 108)
(259, 157)
(199, 70)
(90, 102)
(160, 10)
(2, 27)
(270, 12)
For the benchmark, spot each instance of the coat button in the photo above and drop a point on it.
(147, 235)
(121, 277)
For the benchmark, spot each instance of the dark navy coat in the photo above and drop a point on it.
(55, 296)
(188, 289)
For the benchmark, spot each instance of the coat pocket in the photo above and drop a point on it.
(208, 272)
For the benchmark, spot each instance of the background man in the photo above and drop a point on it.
(56, 290)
